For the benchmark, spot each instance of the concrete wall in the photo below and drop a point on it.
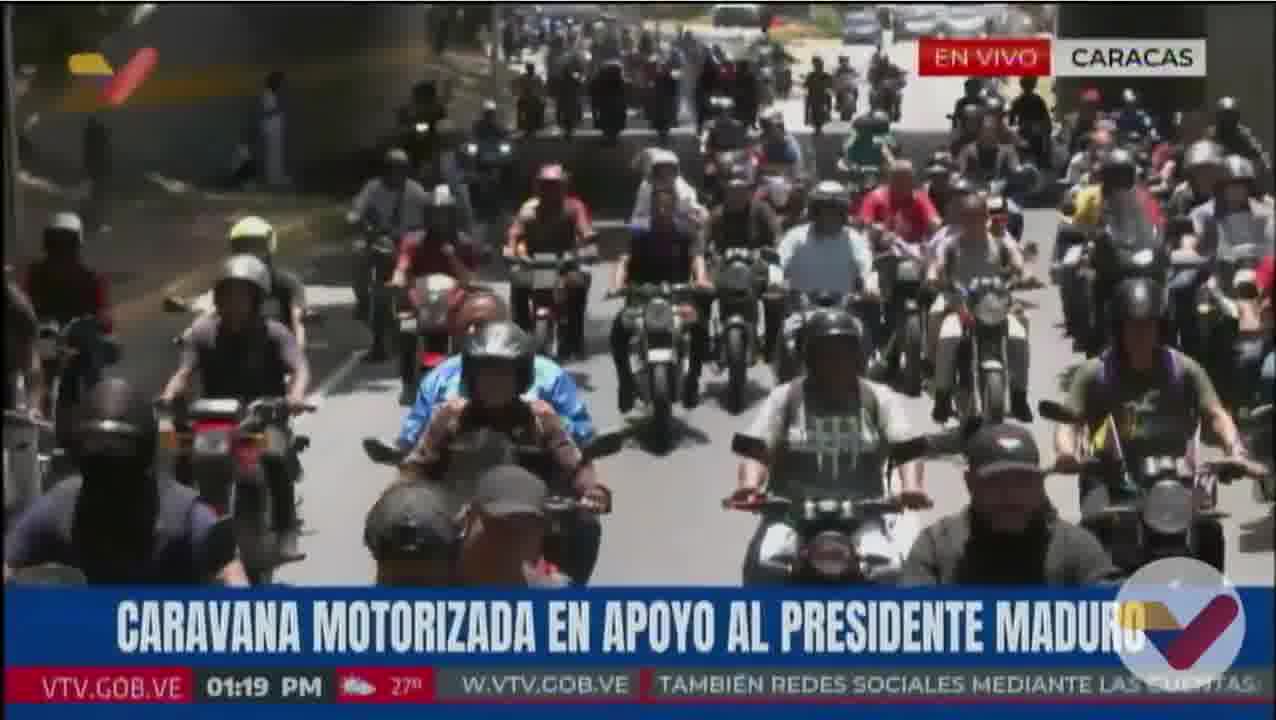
(1240, 61)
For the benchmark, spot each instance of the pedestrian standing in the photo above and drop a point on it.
(272, 132)
(97, 171)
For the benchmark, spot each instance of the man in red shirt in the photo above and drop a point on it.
(901, 207)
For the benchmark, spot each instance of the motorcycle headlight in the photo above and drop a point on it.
(211, 443)
(1168, 507)
(830, 554)
(991, 309)
(422, 128)
(736, 277)
(506, 148)
(1143, 258)
(658, 317)
(908, 272)
(470, 149)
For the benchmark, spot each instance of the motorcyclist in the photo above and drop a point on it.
(530, 91)
(442, 249)
(826, 255)
(607, 95)
(870, 142)
(411, 532)
(1089, 159)
(858, 419)
(489, 128)
(725, 132)
(1031, 117)
(552, 221)
(1155, 395)
(1086, 119)
(550, 383)
(778, 146)
(819, 89)
(1132, 118)
(663, 171)
(1202, 167)
(747, 92)
(1234, 216)
(1238, 139)
(939, 187)
(287, 302)
(845, 79)
(744, 221)
(995, 113)
(989, 158)
(664, 252)
(504, 531)
(426, 107)
(665, 97)
(973, 97)
(972, 253)
(395, 204)
(60, 285)
(902, 208)
(1010, 534)
(123, 521)
(239, 353)
(709, 85)
(785, 197)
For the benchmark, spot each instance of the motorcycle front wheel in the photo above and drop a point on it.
(251, 519)
(735, 354)
(993, 393)
(911, 372)
(661, 398)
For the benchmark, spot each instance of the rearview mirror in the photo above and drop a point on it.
(1056, 412)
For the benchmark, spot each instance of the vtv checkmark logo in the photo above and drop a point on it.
(115, 87)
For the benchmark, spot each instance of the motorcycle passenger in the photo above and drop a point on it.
(1202, 166)
(725, 133)
(1087, 161)
(796, 421)
(662, 253)
(442, 249)
(239, 353)
(902, 208)
(778, 146)
(1031, 117)
(21, 357)
(61, 287)
(968, 254)
(819, 89)
(1238, 139)
(1132, 118)
(1010, 534)
(870, 142)
(254, 236)
(497, 372)
(989, 157)
(1155, 395)
(411, 533)
(489, 128)
(553, 221)
(503, 534)
(122, 521)
(664, 171)
(550, 383)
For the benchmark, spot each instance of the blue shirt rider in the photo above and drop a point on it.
(779, 147)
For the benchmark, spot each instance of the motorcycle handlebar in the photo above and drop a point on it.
(26, 419)
(651, 291)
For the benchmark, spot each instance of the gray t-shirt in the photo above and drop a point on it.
(820, 451)
(825, 264)
(964, 261)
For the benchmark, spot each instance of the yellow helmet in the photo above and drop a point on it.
(253, 235)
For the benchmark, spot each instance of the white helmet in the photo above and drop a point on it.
(65, 223)
(442, 197)
(662, 158)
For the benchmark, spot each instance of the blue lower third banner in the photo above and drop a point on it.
(671, 647)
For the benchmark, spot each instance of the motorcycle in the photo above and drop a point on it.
(477, 449)
(818, 110)
(1150, 508)
(984, 307)
(66, 353)
(839, 537)
(1103, 256)
(847, 97)
(547, 276)
(901, 277)
(375, 253)
(487, 166)
(888, 95)
(1257, 425)
(713, 191)
(224, 440)
(425, 337)
(741, 274)
(661, 316)
(1218, 316)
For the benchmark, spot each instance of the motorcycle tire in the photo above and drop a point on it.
(735, 354)
(545, 336)
(661, 399)
(251, 519)
(912, 374)
(1211, 545)
(993, 399)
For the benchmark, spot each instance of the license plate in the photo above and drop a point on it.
(660, 355)
(408, 325)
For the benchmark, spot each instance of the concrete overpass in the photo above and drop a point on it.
(1239, 59)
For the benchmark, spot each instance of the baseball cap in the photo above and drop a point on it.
(509, 490)
(410, 518)
(1002, 448)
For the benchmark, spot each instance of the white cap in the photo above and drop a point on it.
(66, 221)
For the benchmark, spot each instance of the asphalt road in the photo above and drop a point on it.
(667, 528)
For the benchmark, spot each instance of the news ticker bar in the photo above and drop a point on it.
(407, 685)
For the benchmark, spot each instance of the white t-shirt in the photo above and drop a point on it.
(835, 264)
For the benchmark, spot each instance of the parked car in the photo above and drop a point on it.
(861, 27)
(964, 21)
(910, 21)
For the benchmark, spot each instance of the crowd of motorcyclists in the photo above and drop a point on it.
(883, 279)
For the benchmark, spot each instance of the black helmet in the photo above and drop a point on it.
(114, 432)
(1139, 298)
(1028, 82)
(502, 342)
(828, 193)
(826, 324)
(1120, 169)
(1238, 169)
(973, 85)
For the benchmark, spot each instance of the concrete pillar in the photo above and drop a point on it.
(1240, 62)
(1138, 20)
